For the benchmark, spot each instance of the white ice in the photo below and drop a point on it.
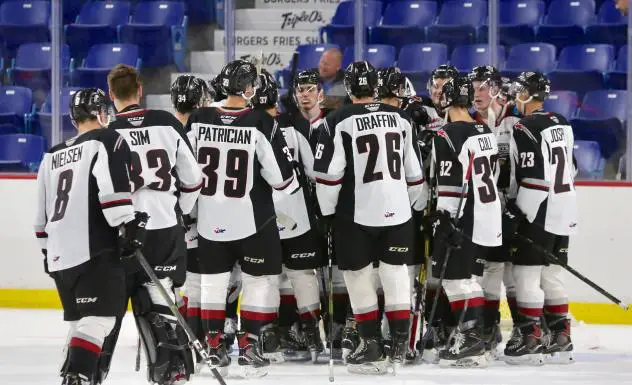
(31, 344)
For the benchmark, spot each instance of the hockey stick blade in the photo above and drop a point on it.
(197, 345)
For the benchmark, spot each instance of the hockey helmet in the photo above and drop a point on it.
(485, 74)
(308, 77)
(268, 92)
(237, 76)
(360, 79)
(88, 104)
(216, 85)
(189, 93)
(444, 71)
(391, 83)
(457, 92)
(535, 84)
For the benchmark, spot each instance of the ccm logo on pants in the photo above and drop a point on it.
(87, 299)
(303, 255)
(398, 249)
(165, 268)
(253, 260)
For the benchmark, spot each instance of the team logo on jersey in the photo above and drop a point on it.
(219, 231)
(227, 119)
(56, 258)
(372, 107)
(136, 121)
(389, 214)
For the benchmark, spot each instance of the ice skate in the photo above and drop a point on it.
(292, 345)
(217, 352)
(525, 347)
(433, 342)
(492, 337)
(230, 328)
(350, 340)
(271, 343)
(75, 379)
(466, 350)
(312, 339)
(251, 362)
(368, 358)
(178, 373)
(559, 347)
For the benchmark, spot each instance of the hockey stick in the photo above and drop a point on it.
(197, 345)
(554, 259)
(433, 310)
(330, 300)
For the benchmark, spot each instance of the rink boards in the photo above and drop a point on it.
(601, 250)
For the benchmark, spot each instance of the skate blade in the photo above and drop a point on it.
(296, 355)
(203, 367)
(536, 359)
(467, 362)
(275, 358)
(373, 368)
(247, 371)
(493, 355)
(560, 358)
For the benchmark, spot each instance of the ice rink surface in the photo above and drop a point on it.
(31, 344)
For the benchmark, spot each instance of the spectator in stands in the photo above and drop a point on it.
(622, 6)
(331, 73)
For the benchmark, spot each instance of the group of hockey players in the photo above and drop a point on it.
(380, 232)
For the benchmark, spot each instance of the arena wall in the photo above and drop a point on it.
(602, 250)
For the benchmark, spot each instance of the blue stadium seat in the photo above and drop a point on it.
(416, 61)
(565, 21)
(466, 57)
(381, 56)
(517, 20)
(600, 119)
(590, 162)
(562, 102)
(340, 30)
(530, 57)
(44, 117)
(201, 12)
(617, 79)
(404, 23)
(457, 22)
(309, 55)
(23, 22)
(32, 64)
(611, 26)
(16, 106)
(21, 152)
(71, 9)
(581, 68)
(96, 24)
(100, 60)
(158, 28)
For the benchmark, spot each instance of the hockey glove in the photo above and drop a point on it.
(418, 113)
(445, 230)
(132, 235)
(512, 217)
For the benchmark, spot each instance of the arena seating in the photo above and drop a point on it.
(23, 22)
(101, 58)
(16, 107)
(43, 118)
(21, 152)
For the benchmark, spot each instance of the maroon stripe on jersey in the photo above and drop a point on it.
(361, 317)
(534, 186)
(132, 113)
(213, 314)
(191, 189)
(41, 234)
(116, 203)
(492, 304)
(308, 315)
(257, 316)
(397, 314)
(557, 309)
(451, 194)
(288, 300)
(329, 182)
(284, 186)
(194, 312)
(530, 312)
(417, 182)
(76, 342)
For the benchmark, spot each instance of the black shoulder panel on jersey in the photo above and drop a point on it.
(456, 133)
(532, 125)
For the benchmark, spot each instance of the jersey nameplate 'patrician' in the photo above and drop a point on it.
(243, 156)
(452, 149)
(83, 195)
(366, 166)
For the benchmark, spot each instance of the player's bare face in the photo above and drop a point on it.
(307, 96)
(482, 96)
(436, 88)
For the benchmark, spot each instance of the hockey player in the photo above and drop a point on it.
(464, 145)
(83, 199)
(303, 246)
(545, 212)
(493, 108)
(438, 77)
(368, 175)
(243, 157)
(166, 183)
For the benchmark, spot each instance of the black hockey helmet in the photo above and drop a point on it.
(216, 85)
(487, 74)
(309, 76)
(457, 92)
(237, 76)
(536, 84)
(189, 93)
(391, 83)
(268, 92)
(444, 71)
(88, 104)
(360, 79)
